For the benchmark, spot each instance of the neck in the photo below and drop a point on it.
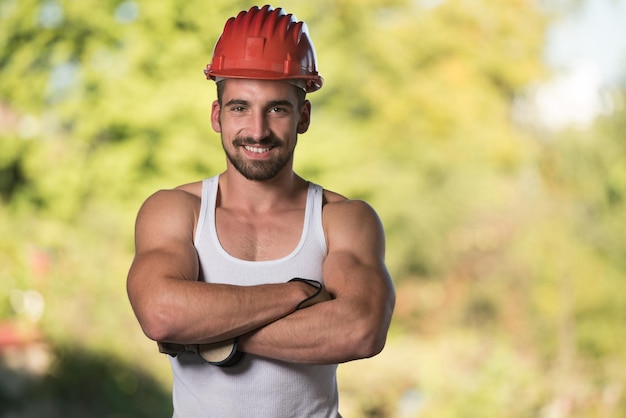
(259, 196)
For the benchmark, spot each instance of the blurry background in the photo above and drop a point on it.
(489, 135)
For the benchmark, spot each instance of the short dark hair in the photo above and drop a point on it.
(300, 93)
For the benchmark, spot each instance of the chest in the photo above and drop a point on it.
(259, 237)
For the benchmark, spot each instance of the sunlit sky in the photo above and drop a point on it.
(587, 50)
(593, 33)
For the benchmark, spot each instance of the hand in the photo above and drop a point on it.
(316, 291)
(172, 349)
(223, 353)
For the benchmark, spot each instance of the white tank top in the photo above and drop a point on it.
(256, 386)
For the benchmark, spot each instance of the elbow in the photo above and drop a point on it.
(155, 321)
(371, 346)
(368, 342)
(378, 345)
(155, 328)
(155, 312)
(370, 336)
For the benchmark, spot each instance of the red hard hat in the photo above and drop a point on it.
(265, 44)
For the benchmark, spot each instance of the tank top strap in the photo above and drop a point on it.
(315, 198)
(207, 205)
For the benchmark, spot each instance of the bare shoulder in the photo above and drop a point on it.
(169, 213)
(347, 221)
(194, 188)
(168, 200)
(338, 206)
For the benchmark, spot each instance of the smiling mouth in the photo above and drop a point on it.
(257, 150)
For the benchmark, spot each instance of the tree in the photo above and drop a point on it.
(102, 103)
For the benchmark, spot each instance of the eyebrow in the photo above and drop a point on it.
(275, 103)
(270, 104)
(237, 102)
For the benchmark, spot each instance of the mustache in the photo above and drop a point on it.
(266, 141)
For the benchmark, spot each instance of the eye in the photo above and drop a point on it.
(237, 109)
(277, 110)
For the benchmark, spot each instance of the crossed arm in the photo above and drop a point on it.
(172, 305)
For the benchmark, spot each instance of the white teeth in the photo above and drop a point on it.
(256, 149)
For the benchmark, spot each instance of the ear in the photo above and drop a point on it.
(215, 117)
(305, 117)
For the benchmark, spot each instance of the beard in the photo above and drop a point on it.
(256, 170)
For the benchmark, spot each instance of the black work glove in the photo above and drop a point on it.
(320, 295)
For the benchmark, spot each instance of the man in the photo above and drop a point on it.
(257, 282)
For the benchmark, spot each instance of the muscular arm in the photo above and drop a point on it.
(355, 322)
(167, 298)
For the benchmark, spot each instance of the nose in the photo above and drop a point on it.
(258, 128)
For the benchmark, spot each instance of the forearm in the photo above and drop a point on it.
(334, 331)
(189, 312)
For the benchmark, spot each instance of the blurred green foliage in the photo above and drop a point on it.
(82, 384)
(506, 244)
